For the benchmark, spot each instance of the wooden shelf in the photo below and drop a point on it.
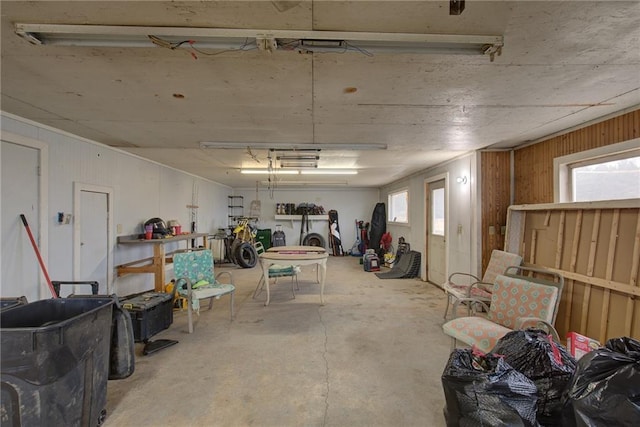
(292, 218)
(156, 264)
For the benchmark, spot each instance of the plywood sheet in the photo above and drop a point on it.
(596, 247)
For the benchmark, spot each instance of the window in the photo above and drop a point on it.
(606, 180)
(437, 212)
(606, 173)
(399, 207)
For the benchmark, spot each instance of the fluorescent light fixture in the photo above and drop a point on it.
(305, 183)
(329, 172)
(266, 40)
(266, 171)
(291, 146)
(303, 172)
(302, 157)
(299, 164)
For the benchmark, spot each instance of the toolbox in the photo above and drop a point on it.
(151, 312)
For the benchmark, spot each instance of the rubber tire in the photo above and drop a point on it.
(234, 249)
(246, 255)
(313, 239)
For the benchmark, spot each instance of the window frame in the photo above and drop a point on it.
(563, 185)
(390, 218)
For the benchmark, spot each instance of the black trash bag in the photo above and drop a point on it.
(548, 364)
(605, 390)
(483, 390)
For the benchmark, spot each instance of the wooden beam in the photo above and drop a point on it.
(572, 266)
(633, 280)
(611, 252)
(559, 248)
(592, 258)
(592, 281)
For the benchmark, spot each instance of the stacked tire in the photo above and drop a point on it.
(244, 254)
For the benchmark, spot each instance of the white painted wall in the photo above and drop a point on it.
(351, 204)
(463, 253)
(142, 190)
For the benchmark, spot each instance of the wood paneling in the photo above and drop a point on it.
(496, 194)
(596, 248)
(533, 167)
(534, 164)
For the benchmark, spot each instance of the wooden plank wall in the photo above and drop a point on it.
(534, 164)
(533, 167)
(495, 185)
(597, 250)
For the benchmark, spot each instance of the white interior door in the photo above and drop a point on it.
(93, 219)
(437, 232)
(20, 195)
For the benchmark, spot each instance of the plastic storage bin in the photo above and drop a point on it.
(8, 303)
(151, 312)
(264, 236)
(55, 362)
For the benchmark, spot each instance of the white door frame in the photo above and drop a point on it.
(79, 187)
(425, 225)
(43, 197)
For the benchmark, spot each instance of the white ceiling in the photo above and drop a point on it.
(563, 64)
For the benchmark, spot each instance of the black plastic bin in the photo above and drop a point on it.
(9, 303)
(55, 362)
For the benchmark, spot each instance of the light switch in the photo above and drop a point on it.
(492, 230)
(119, 228)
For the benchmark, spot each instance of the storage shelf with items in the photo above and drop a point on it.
(236, 208)
(293, 218)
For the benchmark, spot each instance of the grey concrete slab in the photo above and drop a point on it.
(371, 356)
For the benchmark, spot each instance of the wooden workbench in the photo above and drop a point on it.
(157, 263)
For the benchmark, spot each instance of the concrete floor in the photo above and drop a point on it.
(371, 356)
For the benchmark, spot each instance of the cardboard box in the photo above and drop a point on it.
(579, 345)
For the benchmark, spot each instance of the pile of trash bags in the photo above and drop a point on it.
(530, 380)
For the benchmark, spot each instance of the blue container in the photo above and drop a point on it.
(55, 362)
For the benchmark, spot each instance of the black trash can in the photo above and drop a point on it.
(55, 362)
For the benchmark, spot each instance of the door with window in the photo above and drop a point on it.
(436, 229)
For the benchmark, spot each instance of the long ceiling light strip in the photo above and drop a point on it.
(267, 171)
(329, 172)
(247, 39)
(303, 172)
(305, 183)
(292, 146)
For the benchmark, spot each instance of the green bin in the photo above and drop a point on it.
(264, 236)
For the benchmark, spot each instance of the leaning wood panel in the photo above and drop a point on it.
(533, 165)
(596, 247)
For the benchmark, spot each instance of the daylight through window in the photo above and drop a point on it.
(605, 173)
(399, 207)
